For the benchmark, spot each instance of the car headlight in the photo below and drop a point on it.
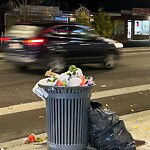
(118, 45)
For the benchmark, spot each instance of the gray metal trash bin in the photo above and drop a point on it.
(67, 117)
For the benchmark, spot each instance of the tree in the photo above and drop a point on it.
(102, 24)
(15, 4)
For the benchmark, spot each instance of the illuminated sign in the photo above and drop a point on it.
(141, 11)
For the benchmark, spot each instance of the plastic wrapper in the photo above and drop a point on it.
(107, 131)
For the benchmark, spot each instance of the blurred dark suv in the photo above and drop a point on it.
(54, 45)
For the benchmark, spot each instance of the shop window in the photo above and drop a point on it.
(141, 27)
(118, 27)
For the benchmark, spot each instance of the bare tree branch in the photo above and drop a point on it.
(14, 3)
(35, 2)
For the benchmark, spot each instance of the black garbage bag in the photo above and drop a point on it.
(107, 131)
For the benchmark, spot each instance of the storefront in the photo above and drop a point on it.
(141, 23)
(132, 25)
(128, 24)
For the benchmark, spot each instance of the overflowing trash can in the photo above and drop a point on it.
(67, 117)
(67, 97)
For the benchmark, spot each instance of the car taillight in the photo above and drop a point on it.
(34, 42)
(3, 39)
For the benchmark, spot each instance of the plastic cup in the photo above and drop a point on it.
(31, 138)
(75, 81)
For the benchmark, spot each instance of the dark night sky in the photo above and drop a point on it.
(109, 5)
(94, 5)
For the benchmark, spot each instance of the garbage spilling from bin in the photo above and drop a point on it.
(71, 78)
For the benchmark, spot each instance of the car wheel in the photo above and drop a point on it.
(57, 64)
(111, 61)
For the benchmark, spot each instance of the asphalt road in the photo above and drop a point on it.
(124, 93)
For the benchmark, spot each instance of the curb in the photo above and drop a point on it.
(136, 49)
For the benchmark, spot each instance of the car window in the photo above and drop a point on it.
(72, 31)
(77, 32)
(82, 32)
(68, 31)
(61, 31)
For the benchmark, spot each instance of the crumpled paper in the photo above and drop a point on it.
(40, 92)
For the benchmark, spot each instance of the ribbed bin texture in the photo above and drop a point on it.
(67, 117)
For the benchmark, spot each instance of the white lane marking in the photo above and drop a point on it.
(95, 95)
(120, 91)
(22, 107)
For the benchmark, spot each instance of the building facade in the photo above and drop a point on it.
(128, 24)
(132, 24)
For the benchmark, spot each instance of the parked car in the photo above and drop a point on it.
(54, 45)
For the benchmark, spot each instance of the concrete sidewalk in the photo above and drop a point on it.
(138, 124)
